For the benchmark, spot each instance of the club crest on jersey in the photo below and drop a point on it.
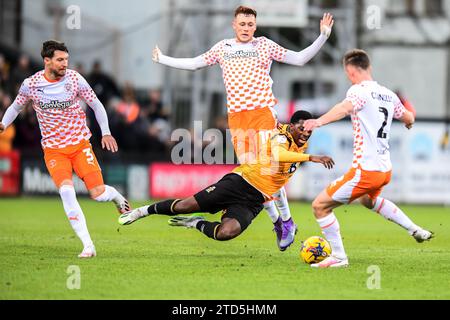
(282, 139)
(68, 87)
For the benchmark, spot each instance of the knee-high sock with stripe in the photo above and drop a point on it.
(331, 230)
(75, 214)
(391, 212)
(167, 207)
(208, 228)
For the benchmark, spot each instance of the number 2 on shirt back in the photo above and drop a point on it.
(381, 133)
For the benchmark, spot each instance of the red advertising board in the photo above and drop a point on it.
(180, 181)
(9, 173)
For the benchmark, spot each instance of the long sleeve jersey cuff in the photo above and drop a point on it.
(282, 155)
(11, 114)
(183, 63)
(101, 116)
(302, 57)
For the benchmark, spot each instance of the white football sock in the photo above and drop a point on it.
(272, 211)
(331, 231)
(282, 204)
(110, 194)
(393, 213)
(75, 214)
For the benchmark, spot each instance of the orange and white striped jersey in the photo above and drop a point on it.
(246, 68)
(269, 175)
(374, 107)
(61, 118)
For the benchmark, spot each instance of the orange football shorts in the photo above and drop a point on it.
(250, 130)
(79, 158)
(357, 183)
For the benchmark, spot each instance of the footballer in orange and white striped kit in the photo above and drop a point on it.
(56, 93)
(372, 108)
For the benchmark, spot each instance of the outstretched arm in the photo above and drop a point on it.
(338, 112)
(304, 56)
(190, 64)
(280, 154)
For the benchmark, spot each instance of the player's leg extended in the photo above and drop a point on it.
(234, 221)
(174, 207)
(323, 207)
(289, 228)
(105, 193)
(274, 215)
(391, 212)
(342, 191)
(77, 219)
(355, 184)
(209, 199)
(227, 229)
(375, 181)
(241, 201)
(87, 168)
(60, 169)
(171, 207)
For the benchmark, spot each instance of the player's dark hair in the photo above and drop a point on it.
(358, 58)
(244, 10)
(300, 115)
(49, 47)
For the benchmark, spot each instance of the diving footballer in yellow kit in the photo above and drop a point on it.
(240, 194)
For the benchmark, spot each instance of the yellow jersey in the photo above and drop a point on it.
(278, 161)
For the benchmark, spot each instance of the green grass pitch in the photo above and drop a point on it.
(151, 260)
